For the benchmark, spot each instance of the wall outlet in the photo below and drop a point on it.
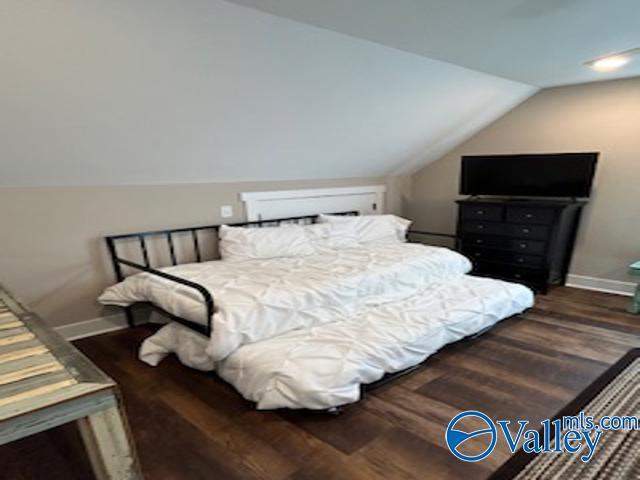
(226, 211)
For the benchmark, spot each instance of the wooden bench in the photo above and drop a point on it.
(45, 382)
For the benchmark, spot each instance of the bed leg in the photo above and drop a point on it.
(128, 312)
(335, 411)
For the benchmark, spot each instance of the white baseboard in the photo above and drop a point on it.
(601, 284)
(95, 326)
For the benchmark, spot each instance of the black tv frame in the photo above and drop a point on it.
(464, 189)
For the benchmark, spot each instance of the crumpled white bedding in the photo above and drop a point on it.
(323, 366)
(260, 299)
(306, 332)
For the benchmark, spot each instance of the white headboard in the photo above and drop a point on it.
(293, 203)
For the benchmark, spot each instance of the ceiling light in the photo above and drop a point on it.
(607, 64)
(612, 62)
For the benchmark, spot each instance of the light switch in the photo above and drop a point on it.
(226, 211)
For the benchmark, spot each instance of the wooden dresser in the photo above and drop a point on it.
(527, 241)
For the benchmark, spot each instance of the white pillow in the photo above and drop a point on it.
(373, 229)
(324, 236)
(241, 243)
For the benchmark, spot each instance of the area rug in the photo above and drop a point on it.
(616, 392)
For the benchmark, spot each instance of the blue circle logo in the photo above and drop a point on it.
(456, 437)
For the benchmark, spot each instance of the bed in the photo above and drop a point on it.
(309, 330)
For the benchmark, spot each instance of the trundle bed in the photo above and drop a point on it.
(312, 329)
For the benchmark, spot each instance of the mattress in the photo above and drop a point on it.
(324, 366)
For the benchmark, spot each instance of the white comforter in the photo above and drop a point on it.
(306, 332)
(324, 366)
(260, 299)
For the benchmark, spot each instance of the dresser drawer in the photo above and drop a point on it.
(479, 254)
(485, 228)
(510, 258)
(530, 247)
(530, 215)
(519, 246)
(524, 275)
(526, 260)
(536, 232)
(529, 276)
(482, 212)
(472, 241)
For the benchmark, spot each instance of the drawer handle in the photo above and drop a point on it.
(480, 227)
(523, 245)
(517, 275)
(525, 230)
(479, 212)
(529, 215)
(479, 240)
(520, 260)
(477, 254)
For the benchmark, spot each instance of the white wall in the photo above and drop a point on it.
(168, 91)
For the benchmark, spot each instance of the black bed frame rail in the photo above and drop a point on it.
(117, 262)
(141, 237)
(456, 240)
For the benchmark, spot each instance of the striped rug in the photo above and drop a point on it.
(617, 454)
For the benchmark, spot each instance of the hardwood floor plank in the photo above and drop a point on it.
(526, 376)
(170, 447)
(331, 466)
(532, 360)
(610, 301)
(349, 432)
(285, 436)
(567, 341)
(405, 455)
(625, 338)
(597, 313)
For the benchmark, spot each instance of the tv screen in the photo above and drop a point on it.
(533, 175)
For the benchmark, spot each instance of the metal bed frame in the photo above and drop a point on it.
(209, 302)
(168, 235)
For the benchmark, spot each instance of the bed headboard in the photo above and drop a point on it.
(158, 248)
(367, 200)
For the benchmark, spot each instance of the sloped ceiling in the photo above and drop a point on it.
(539, 42)
(108, 93)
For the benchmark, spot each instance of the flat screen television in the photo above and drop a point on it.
(529, 175)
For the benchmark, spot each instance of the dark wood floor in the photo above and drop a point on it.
(189, 425)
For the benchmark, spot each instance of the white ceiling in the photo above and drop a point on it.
(209, 91)
(539, 42)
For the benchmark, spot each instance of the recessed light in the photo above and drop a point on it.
(612, 62)
(607, 64)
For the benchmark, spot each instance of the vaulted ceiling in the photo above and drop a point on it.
(209, 91)
(539, 42)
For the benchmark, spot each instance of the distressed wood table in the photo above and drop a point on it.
(45, 382)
